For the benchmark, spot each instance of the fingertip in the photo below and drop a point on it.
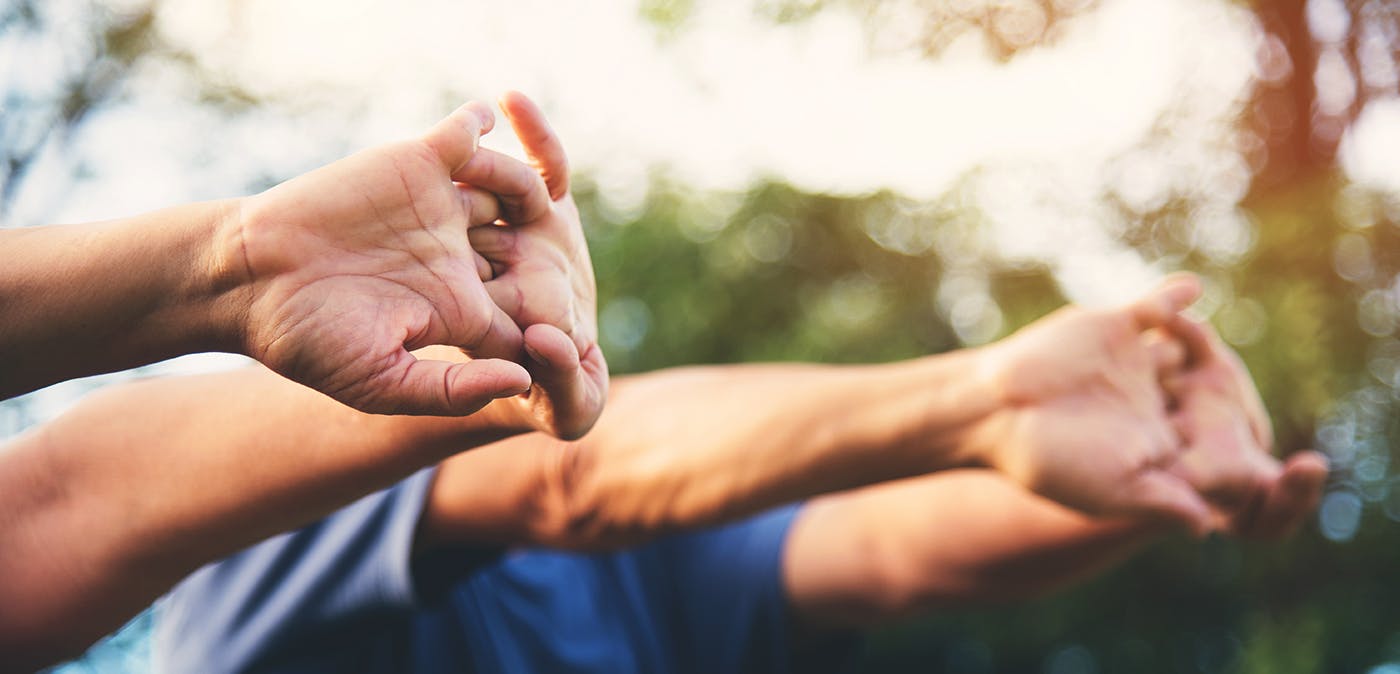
(488, 379)
(456, 138)
(511, 98)
(443, 388)
(514, 379)
(1305, 472)
(1182, 288)
(484, 115)
(1167, 354)
(551, 347)
(1168, 497)
(540, 141)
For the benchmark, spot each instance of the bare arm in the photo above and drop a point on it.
(953, 539)
(329, 279)
(695, 446)
(107, 507)
(961, 537)
(145, 288)
(1068, 407)
(691, 447)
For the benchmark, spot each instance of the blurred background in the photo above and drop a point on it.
(852, 180)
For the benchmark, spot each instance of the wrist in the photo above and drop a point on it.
(227, 283)
(943, 408)
(975, 436)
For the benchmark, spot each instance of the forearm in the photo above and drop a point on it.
(77, 300)
(108, 506)
(696, 446)
(953, 539)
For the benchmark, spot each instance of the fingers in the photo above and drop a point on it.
(1169, 298)
(1157, 495)
(455, 139)
(530, 299)
(541, 144)
(1203, 348)
(495, 243)
(557, 370)
(481, 207)
(1249, 398)
(440, 388)
(522, 193)
(1195, 337)
(1167, 354)
(1290, 498)
(502, 338)
(1222, 462)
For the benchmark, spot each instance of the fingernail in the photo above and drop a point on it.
(514, 392)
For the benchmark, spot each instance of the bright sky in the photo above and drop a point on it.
(722, 102)
(725, 100)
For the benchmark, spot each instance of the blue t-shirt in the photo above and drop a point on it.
(346, 595)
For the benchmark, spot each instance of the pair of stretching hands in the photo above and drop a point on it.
(1135, 418)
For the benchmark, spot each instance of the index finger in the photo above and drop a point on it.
(541, 144)
(523, 196)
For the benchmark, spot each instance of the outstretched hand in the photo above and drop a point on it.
(1228, 441)
(1083, 420)
(355, 264)
(430, 242)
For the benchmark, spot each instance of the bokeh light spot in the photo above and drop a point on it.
(1340, 516)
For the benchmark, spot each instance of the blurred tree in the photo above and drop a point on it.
(1320, 62)
(82, 54)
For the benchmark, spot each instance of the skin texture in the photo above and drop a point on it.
(1227, 456)
(541, 274)
(88, 541)
(1072, 408)
(695, 446)
(332, 279)
(117, 500)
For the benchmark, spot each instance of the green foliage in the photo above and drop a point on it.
(778, 274)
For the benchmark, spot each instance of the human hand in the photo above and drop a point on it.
(351, 266)
(538, 271)
(1082, 418)
(1228, 441)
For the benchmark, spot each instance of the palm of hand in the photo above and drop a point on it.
(1225, 459)
(547, 285)
(1086, 425)
(1229, 442)
(365, 257)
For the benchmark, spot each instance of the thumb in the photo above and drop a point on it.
(1158, 495)
(1169, 298)
(442, 388)
(556, 368)
(455, 139)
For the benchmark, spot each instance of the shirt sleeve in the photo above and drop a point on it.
(351, 566)
(733, 611)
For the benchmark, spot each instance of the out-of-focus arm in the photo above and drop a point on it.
(695, 446)
(952, 539)
(972, 536)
